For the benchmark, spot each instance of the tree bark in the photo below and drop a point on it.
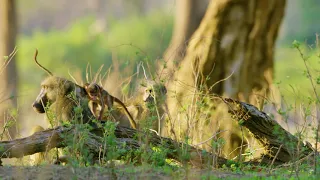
(45, 140)
(236, 38)
(230, 54)
(9, 79)
(277, 142)
(188, 16)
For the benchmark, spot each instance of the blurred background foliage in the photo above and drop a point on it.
(131, 40)
(300, 23)
(71, 34)
(132, 31)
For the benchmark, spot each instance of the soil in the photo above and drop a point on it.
(128, 172)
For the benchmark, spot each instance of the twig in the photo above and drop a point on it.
(213, 136)
(275, 157)
(11, 55)
(309, 76)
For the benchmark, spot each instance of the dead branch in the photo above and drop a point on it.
(279, 144)
(48, 139)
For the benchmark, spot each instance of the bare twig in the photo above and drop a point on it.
(309, 76)
(275, 157)
(213, 136)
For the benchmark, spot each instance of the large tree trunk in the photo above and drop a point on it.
(189, 14)
(231, 54)
(8, 76)
(236, 38)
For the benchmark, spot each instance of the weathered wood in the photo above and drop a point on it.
(48, 139)
(278, 143)
(38, 142)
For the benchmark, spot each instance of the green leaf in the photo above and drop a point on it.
(296, 44)
(318, 80)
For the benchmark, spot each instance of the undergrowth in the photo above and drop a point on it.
(301, 116)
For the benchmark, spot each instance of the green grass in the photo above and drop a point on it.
(290, 74)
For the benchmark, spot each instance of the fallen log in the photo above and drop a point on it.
(278, 143)
(51, 138)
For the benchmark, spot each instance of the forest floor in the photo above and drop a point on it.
(119, 172)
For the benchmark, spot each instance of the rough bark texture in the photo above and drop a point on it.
(277, 142)
(279, 146)
(8, 76)
(48, 139)
(236, 37)
(231, 54)
(188, 16)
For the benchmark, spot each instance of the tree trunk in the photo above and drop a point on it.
(236, 38)
(8, 81)
(189, 14)
(231, 54)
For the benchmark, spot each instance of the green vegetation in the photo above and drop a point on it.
(144, 39)
(290, 73)
(129, 41)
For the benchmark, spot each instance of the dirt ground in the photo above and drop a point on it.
(66, 172)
